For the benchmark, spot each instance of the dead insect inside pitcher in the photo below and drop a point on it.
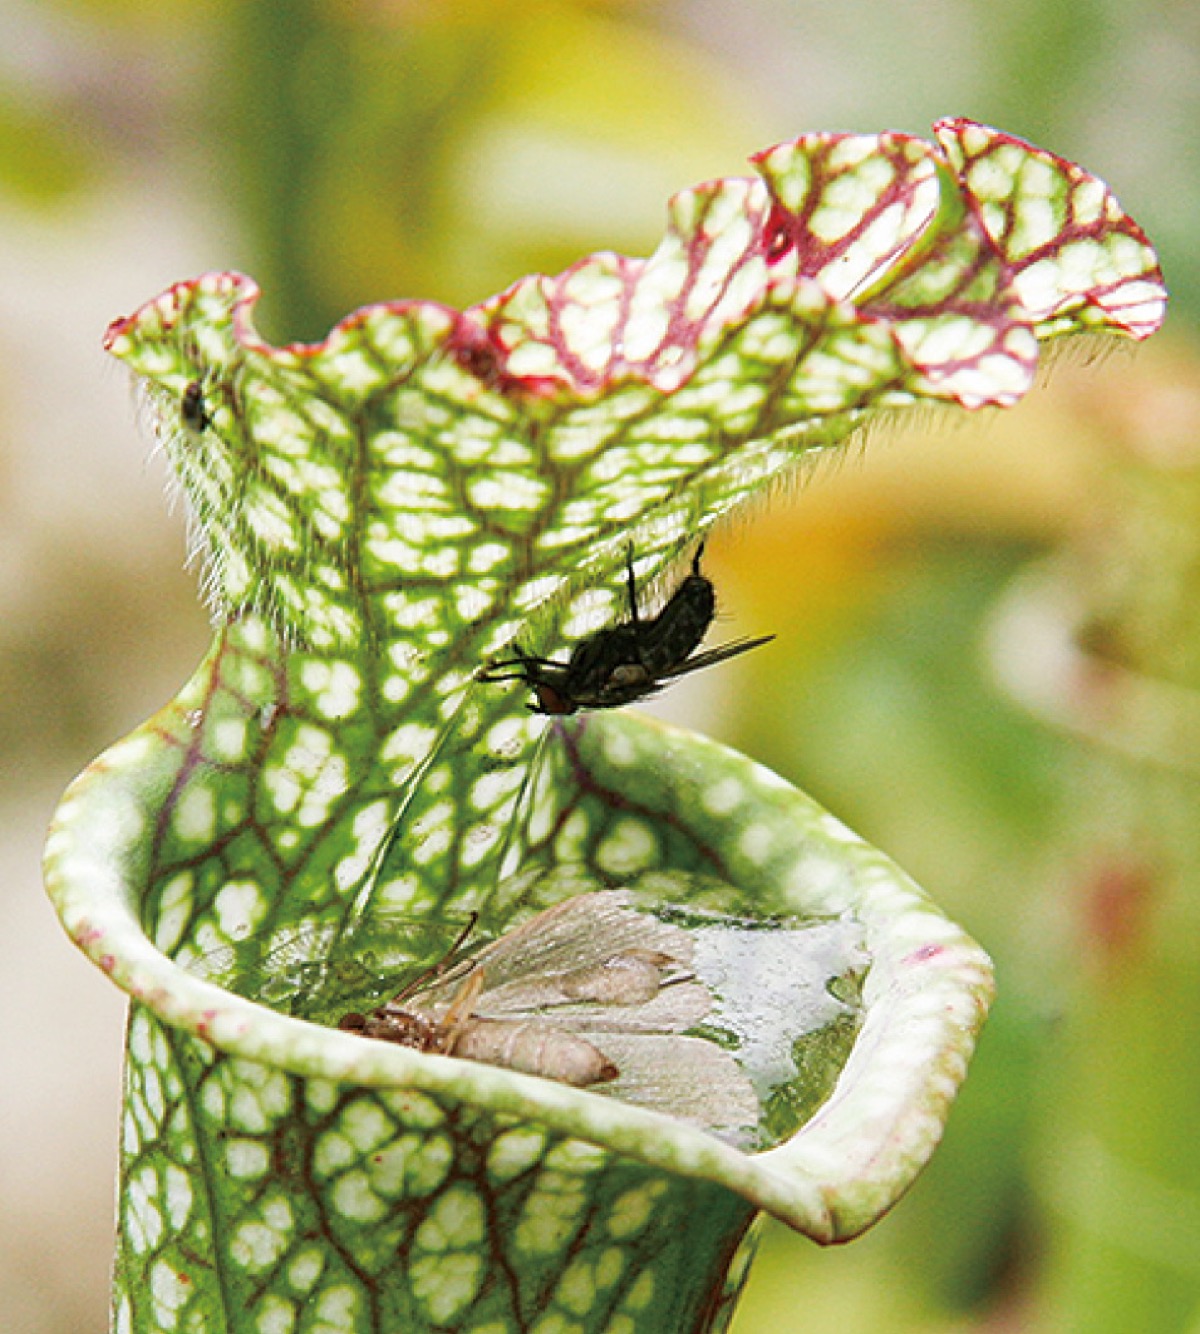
(591, 992)
(496, 1006)
(628, 661)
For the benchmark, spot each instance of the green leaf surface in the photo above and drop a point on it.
(380, 515)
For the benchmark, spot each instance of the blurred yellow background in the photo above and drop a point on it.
(360, 150)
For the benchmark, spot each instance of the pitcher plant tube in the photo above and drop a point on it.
(344, 784)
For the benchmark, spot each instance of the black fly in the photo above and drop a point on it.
(193, 411)
(628, 661)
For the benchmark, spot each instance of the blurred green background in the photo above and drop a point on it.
(988, 651)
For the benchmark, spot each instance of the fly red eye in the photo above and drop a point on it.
(552, 701)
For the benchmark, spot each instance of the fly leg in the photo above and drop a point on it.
(524, 663)
(634, 618)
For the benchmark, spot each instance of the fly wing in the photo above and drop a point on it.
(582, 932)
(681, 1003)
(319, 967)
(688, 1078)
(714, 655)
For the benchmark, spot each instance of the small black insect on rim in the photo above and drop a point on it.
(193, 411)
(628, 661)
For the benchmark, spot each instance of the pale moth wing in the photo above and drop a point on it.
(554, 973)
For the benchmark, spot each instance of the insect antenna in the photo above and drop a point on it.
(445, 965)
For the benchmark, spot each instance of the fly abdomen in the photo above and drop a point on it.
(672, 636)
(532, 1047)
